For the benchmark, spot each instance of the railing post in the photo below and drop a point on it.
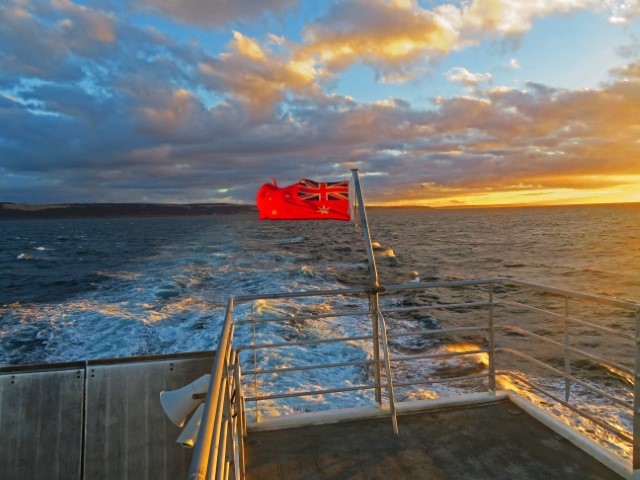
(240, 426)
(218, 457)
(566, 353)
(636, 402)
(374, 299)
(255, 360)
(387, 365)
(227, 448)
(492, 349)
(232, 454)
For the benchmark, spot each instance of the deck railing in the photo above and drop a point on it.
(219, 450)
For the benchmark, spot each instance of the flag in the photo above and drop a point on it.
(305, 200)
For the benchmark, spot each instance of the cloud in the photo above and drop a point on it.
(256, 76)
(398, 39)
(95, 108)
(513, 17)
(628, 72)
(630, 50)
(623, 11)
(175, 149)
(214, 13)
(38, 38)
(462, 75)
(514, 64)
(388, 36)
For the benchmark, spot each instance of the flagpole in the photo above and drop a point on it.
(373, 273)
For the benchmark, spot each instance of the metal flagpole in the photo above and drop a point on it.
(373, 273)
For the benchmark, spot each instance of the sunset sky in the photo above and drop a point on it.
(438, 103)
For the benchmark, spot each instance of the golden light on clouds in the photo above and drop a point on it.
(245, 47)
(384, 35)
(137, 103)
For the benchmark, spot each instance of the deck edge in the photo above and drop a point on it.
(370, 411)
(581, 441)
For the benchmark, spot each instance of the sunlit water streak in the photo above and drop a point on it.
(77, 289)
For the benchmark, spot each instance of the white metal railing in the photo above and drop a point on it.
(219, 451)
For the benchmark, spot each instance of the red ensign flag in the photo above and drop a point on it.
(306, 200)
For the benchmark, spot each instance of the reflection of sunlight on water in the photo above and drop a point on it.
(420, 394)
(619, 373)
(108, 310)
(478, 358)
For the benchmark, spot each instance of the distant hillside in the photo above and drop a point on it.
(398, 207)
(13, 211)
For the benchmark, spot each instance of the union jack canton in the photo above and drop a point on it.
(321, 192)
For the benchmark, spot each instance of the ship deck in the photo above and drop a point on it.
(100, 419)
(103, 420)
(492, 441)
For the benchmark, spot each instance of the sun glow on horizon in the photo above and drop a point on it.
(621, 189)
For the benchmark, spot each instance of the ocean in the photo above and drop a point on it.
(112, 287)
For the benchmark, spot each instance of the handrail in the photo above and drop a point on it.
(585, 385)
(600, 328)
(294, 318)
(303, 342)
(582, 296)
(362, 217)
(568, 348)
(213, 448)
(203, 449)
(436, 307)
(362, 226)
(301, 293)
(454, 283)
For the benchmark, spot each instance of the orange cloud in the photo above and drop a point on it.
(256, 76)
(505, 145)
(397, 37)
(385, 35)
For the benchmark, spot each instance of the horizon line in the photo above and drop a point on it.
(373, 205)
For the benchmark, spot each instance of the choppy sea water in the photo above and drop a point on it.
(79, 289)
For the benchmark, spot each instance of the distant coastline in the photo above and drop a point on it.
(21, 211)
(16, 211)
